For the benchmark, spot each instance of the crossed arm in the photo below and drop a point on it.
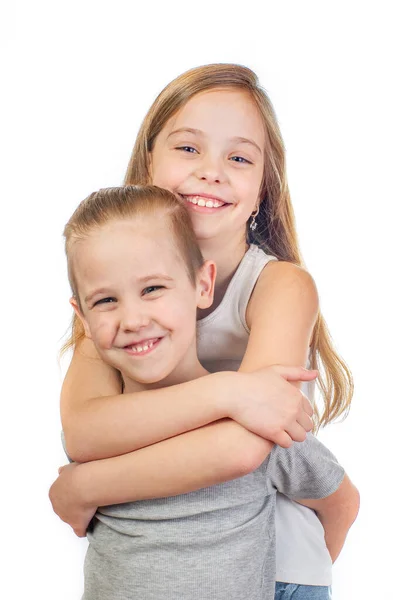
(172, 441)
(100, 422)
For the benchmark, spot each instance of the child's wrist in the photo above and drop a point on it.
(84, 484)
(226, 396)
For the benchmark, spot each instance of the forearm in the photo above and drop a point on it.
(336, 530)
(337, 514)
(200, 458)
(109, 426)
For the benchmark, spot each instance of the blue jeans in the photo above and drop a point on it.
(292, 591)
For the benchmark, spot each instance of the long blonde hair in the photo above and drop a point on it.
(129, 202)
(275, 232)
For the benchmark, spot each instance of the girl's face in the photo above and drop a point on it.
(211, 153)
(138, 304)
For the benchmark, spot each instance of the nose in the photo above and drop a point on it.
(211, 169)
(134, 317)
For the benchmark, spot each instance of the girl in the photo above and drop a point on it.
(137, 277)
(212, 138)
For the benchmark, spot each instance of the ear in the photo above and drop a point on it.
(75, 306)
(205, 284)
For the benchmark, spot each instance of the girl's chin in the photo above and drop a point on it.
(212, 233)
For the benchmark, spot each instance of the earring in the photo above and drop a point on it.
(253, 224)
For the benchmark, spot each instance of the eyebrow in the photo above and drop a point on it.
(106, 290)
(185, 130)
(236, 139)
(155, 276)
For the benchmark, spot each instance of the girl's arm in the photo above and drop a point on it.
(283, 309)
(337, 514)
(99, 421)
(108, 425)
(281, 316)
(219, 452)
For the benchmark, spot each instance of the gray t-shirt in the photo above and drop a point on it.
(217, 543)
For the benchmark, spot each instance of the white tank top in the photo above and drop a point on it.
(302, 556)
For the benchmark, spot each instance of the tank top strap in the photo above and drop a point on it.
(253, 264)
(222, 336)
(233, 306)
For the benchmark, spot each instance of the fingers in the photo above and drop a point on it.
(299, 428)
(305, 421)
(283, 439)
(296, 432)
(296, 373)
(306, 405)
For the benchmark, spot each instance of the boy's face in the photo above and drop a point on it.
(137, 302)
(211, 153)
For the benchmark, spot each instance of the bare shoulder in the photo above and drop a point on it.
(283, 285)
(286, 275)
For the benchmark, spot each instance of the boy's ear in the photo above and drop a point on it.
(79, 313)
(205, 284)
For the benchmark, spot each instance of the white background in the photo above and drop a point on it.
(77, 79)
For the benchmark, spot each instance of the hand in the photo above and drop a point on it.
(268, 405)
(65, 495)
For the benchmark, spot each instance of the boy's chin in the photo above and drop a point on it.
(147, 378)
(143, 375)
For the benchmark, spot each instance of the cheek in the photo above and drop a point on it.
(250, 192)
(167, 173)
(184, 318)
(164, 178)
(179, 313)
(258, 183)
(103, 333)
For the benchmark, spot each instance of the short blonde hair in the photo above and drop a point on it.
(129, 202)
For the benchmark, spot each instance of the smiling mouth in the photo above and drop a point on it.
(143, 347)
(203, 201)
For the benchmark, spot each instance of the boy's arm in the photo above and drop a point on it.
(337, 514)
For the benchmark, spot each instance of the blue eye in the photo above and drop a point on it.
(108, 300)
(241, 160)
(151, 289)
(188, 149)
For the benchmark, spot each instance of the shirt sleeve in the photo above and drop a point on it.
(305, 470)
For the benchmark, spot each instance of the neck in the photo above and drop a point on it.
(227, 254)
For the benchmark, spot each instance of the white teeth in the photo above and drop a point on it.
(139, 348)
(203, 202)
